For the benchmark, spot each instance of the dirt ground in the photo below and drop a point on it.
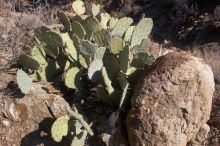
(188, 25)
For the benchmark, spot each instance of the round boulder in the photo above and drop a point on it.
(171, 102)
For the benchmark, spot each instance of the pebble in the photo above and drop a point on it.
(5, 123)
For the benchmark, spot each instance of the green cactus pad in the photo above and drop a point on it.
(60, 128)
(124, 59)
(74, 38)
(117, 45)
(94, 70)
(52, 38)
(128, 33)
(28, 62)
(69, 47)
(78, 29)
(91, 24)
(87, 48)
(101, 38)
(39, 32)
(63, 18)
(112, 64)
(39, 55)
(24, 82)
(80, 139)
(141, 31)
(107, 81)
(79, 7)
(52, 51)
(82, 61)
(49, 71)
(112, 22)
(99, 53)
(121, 26)
(122, 80)
(95, 9)
(52, 43)
(142, 47)
(61, 60)
(73, 77)
(105, 17)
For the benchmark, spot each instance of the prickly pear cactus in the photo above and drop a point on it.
(96, 51)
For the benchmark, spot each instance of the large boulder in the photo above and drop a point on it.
(171, 102)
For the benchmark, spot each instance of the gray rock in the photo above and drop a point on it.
(171, 102)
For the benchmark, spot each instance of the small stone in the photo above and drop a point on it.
(5, 123)
(106, 138)
(13, 112)
(201, 16)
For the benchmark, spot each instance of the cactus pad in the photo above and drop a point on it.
(141, 31)
(112, 22)
(39, 32)
(73, 77)
(69, 47)
(95, 9)
(99, 53)
(128, 33)
(124, 59)
(39, 55)
(94, 70)
(105, 17)
(142, 47)
(91, 24)
(107, 81)
(79, 7)
(117, 45)
(24, 81)
(80, 139)
(87, 48)
(101, 38)
(121, 26)
(78, 29)
(60, 128)
(28, 62)
(63, 18)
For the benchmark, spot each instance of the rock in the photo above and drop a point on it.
(5, 123)
(201, 135)
(40, 104)
(30, 117)
(171, 101)
(106, 138)
(210, 52)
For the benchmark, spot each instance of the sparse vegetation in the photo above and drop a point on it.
(92, 52)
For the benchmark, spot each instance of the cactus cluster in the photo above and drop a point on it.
(110, 51)
(105, 47)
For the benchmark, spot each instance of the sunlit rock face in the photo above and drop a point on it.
(171, 102)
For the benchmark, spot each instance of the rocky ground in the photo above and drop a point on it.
(190, 26)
